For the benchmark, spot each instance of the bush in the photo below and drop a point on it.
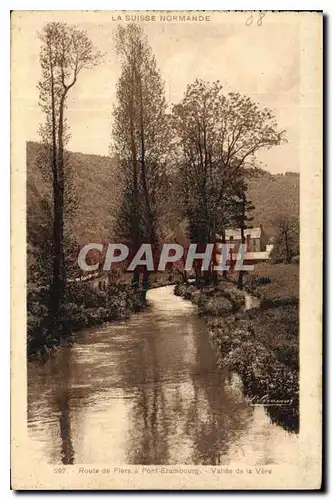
(217, 306)
(84, 306)
(180, 289)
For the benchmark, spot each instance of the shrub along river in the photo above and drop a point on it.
(147, 390)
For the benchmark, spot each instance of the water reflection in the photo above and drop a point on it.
(285, 416)
(63, 392)
(147, 391)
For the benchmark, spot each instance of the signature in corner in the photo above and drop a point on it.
(265, 401)
(250, 19)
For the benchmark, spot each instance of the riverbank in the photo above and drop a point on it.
(158, 372)
(83, 307)
(261, 344)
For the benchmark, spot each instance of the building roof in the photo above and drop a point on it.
(254, 233)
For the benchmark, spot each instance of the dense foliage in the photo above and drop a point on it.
(181, 172)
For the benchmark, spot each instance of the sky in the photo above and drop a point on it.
(262, 61)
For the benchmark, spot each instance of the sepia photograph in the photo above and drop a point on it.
(166, 239)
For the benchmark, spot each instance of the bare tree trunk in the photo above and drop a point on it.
(58, 223)
(57, 288)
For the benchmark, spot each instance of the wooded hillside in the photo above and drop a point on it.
(98, 189)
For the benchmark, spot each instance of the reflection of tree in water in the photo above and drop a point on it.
(286, 417)
(63, 402)
(179, 407)
(49, 394)
(194, 417)
(149, 434)
(216, 418)
(282, 415)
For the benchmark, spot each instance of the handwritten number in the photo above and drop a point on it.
(261, 17)
(249, 20)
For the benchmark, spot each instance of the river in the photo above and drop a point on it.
(147, 390)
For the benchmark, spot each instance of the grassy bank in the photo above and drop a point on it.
(83, 306)
(261, 344)
(282, 282)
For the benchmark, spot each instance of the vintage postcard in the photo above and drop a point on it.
(166, 250)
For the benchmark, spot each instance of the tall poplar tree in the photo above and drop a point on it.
(141, 138)
(65, 52)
